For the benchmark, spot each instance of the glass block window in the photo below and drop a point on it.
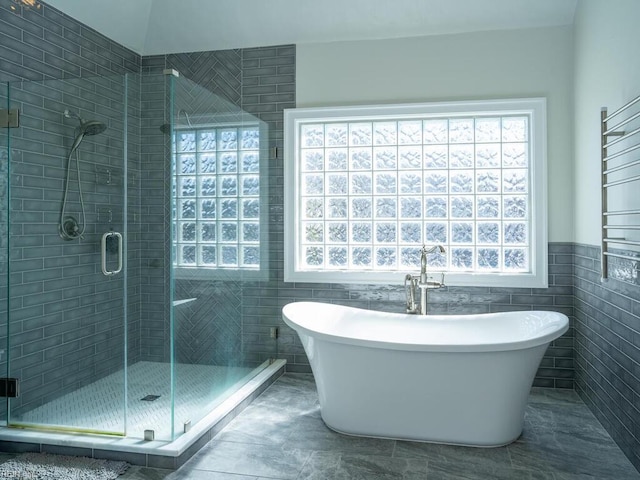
(217, 197)
(369, 186)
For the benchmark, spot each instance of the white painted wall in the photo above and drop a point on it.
(607, 73)
(123, 21)
(499, 64)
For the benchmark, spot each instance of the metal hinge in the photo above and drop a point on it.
(274, 152)
(9, 118)
(9, 387)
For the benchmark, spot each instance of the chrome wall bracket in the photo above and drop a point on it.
(9, 118)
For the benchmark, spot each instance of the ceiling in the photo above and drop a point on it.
(151, 27)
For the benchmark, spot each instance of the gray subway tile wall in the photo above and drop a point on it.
(45, 44)
(607, 345)
(67, 319)
(154, 280)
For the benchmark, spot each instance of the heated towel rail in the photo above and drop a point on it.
(620, 194)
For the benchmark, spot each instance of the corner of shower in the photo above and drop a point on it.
(132, 220)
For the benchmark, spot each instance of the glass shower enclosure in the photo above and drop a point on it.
(132, 213)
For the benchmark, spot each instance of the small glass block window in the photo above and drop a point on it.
(370, 190)
(217, 196)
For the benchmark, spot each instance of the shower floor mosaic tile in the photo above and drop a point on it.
(281, 436)
(99, 406)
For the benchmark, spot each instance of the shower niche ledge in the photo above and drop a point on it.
(177, 303)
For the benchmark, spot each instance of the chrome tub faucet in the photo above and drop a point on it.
(413, 283)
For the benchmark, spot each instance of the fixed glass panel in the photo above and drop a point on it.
(219, 241)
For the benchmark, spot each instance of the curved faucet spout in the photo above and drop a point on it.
(423, 260)
(436, 248)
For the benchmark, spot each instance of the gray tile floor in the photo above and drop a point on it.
(281, 436)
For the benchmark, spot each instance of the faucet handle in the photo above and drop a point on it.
(433, 284)
(410, 292)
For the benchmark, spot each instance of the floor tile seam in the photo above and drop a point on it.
(233, 474)
(256, 444)
(508, 447)
(281, 447)
(304, 464)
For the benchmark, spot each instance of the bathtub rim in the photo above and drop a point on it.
(545, 338)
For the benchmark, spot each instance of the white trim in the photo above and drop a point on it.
(533, 107)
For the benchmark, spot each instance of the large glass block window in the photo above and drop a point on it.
(367, 191)
(217, 198)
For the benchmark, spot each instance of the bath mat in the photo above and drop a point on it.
(43, 466)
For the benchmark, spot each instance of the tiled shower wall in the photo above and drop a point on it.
(66, 321)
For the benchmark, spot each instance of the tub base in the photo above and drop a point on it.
(472, 399)
(422, 441)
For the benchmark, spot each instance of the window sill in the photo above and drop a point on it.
(502, 280)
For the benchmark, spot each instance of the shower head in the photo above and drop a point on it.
(167, 128)
(91, 127)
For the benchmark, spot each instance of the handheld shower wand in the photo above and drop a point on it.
(69, 228)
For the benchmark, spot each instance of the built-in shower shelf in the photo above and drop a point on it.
(182, 302)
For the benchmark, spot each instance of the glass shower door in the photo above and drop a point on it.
(4, 253)
(67, 292)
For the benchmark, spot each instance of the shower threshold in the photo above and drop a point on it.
(155, 453)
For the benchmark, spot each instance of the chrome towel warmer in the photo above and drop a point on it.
(620, 166)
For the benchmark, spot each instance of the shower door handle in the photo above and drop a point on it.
(104, 253)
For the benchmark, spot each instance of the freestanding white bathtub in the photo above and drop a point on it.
(459, 379)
